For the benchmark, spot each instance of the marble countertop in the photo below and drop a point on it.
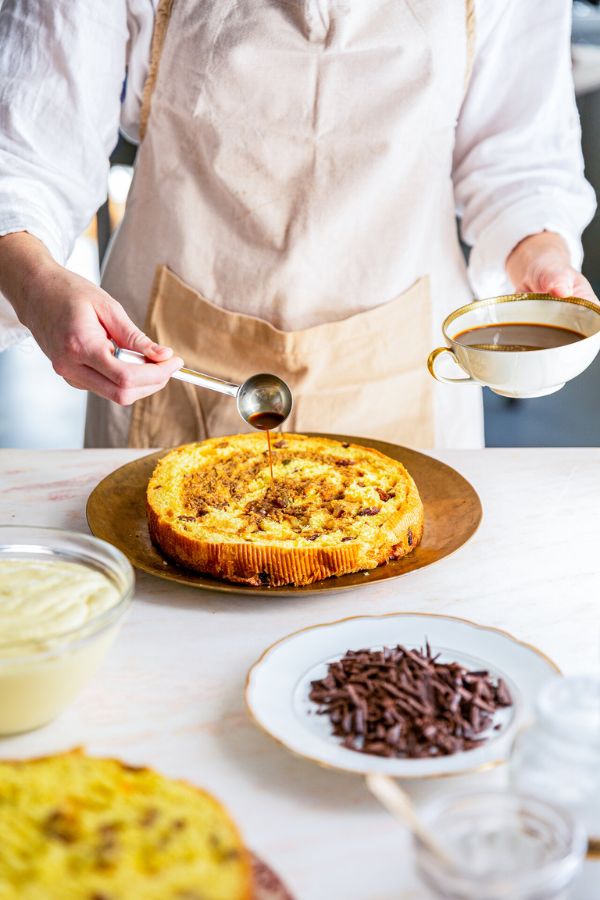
(170, 692)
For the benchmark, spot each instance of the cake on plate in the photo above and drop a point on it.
(330, 508)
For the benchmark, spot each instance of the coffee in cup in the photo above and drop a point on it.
(520, 345)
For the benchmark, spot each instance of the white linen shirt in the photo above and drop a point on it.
(72, 73)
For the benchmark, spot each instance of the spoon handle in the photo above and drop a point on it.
(183, 374)
(398, 804)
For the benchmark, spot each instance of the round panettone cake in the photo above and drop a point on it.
(75, 827)
(330, 508)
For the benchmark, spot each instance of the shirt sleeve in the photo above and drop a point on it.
(518, 166)
(62, 65)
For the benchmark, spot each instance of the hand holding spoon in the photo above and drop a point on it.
(264, 401)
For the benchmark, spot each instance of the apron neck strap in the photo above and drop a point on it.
(471, 33)
(161, 22)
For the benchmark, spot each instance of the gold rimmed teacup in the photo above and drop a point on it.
(514, 373)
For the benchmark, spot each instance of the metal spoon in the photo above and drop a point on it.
(264, 401)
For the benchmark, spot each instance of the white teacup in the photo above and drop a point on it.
(530, 373)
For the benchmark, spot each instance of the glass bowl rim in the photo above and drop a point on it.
(574, 852)
(116, 567)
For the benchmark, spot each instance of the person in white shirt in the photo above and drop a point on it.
(294, 199)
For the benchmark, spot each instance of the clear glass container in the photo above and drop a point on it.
(39, 679)
(503, 846)
(559, 755)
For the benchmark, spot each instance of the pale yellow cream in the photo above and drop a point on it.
(40, 600)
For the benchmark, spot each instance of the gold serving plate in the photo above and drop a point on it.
(116, 512)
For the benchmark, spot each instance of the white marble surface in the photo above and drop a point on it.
(170, 692)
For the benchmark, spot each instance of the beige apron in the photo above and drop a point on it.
(292, 211)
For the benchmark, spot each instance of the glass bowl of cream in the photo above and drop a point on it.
(62, 600)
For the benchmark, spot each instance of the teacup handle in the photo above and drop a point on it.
(431, 366)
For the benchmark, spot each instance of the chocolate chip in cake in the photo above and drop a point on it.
(149, 817)
(62, 825)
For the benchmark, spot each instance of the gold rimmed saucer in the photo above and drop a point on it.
(277, 687)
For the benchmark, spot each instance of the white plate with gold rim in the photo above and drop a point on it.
(278, 686)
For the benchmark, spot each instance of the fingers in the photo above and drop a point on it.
(126, 334)
(125, 393)
(562, 282)
(88, 362)
(552, 279)
(584, 290)
(84, 354)
(100, 357)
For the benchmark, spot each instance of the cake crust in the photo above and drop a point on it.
(331, 509)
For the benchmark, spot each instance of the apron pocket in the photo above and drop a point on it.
(365, 375)
(368, 374)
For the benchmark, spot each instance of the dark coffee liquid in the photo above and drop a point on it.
(517, 336)
(266, 421)
(270, 454)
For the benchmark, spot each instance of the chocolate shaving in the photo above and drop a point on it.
(400, 702)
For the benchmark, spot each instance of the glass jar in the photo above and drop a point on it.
(503, 846)
(559, 755)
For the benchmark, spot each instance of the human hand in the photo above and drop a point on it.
(541, 264)
(73, 321)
